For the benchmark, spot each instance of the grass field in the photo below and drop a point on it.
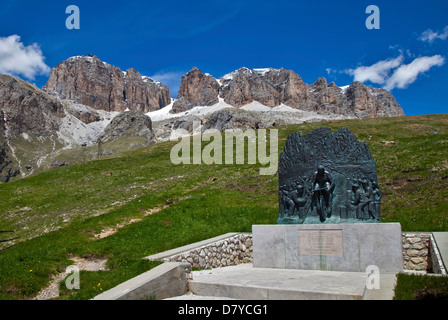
(157, 205)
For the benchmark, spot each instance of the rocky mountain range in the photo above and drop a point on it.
(274, 87)
(89, 108)
(92, 82)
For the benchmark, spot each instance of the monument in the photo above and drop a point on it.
(325, 177)
(329, 209)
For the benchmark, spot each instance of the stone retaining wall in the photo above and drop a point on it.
(227, 252)
(416, 251)
(420, 253)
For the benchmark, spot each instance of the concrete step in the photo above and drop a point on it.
(441, 239)
(249, 283)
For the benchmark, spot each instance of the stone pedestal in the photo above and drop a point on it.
(335, 247)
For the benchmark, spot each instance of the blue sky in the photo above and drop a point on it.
(165, 39)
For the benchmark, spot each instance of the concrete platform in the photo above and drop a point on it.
(249, 283)
(170, 281)
(441, 239)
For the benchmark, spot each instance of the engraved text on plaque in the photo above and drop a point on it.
(320, 242)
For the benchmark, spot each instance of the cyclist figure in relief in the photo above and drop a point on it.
(323, 188)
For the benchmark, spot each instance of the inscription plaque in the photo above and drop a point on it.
(321, 242)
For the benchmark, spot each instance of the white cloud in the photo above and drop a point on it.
(18, 59)
(376, 73)
(171, 79)
(430, 36)
(408, 73)
(392, 73)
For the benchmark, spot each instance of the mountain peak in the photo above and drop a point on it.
(196, 89)
(92, 82)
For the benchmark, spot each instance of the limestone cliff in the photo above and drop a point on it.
(274, 87)
(26, 113)
(196, 89)
(92, 82)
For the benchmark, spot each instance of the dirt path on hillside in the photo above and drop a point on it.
(83, 264)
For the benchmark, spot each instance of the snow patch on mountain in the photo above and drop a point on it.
(344, 88)
(164, 113)
(256, 106)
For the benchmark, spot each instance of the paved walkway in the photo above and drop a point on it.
(249, 283)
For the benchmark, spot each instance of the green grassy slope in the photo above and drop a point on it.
(57, 213)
